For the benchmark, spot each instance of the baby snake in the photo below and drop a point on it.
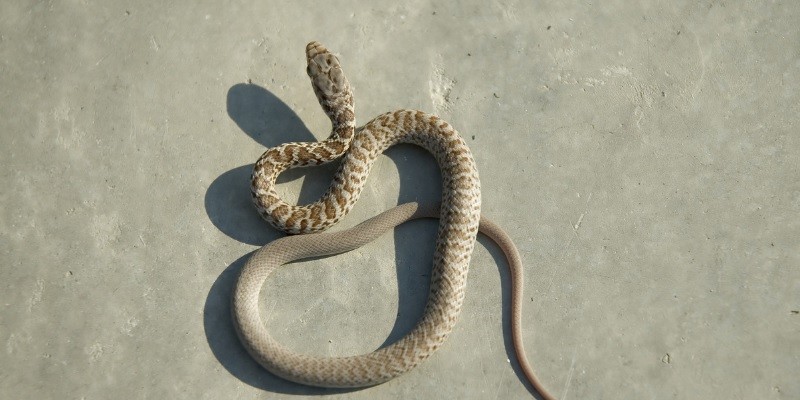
(459, 223)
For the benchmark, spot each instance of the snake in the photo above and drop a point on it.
(460, 220)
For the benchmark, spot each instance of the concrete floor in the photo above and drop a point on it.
(644, 156)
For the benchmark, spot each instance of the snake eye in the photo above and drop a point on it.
(308, 70)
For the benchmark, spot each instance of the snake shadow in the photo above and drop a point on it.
(270, 122)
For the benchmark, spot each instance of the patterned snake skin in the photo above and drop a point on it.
(459, 215)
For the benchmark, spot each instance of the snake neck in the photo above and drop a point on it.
(341, 112)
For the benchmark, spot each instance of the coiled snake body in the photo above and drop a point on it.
(459, 215)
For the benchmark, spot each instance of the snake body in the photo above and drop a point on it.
(459, 221)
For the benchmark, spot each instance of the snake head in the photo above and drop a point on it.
(326, 74)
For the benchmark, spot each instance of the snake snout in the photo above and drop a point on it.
(319, 59)
(319, 56)
(313, 48)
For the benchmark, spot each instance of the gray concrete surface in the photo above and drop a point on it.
(644, 156)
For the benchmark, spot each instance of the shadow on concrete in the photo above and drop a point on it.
(270, 122)
(264, 117)
(230, 209)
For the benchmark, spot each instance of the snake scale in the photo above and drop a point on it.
(358, 147)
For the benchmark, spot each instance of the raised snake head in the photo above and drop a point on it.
(327, 77)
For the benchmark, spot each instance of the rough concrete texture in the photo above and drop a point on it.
(644, 155)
